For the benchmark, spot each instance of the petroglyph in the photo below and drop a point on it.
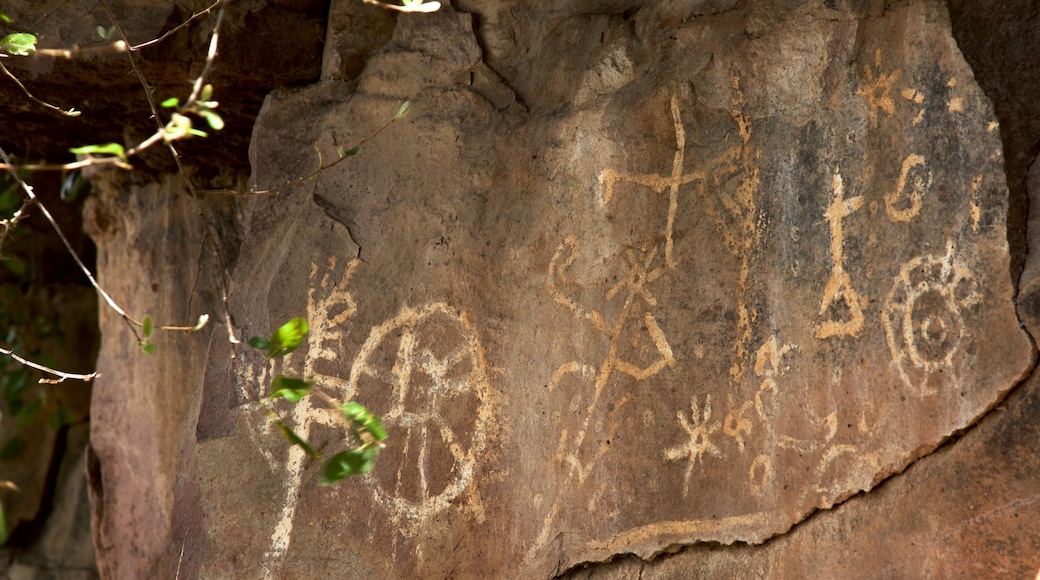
(734, 181)
(923, 320)
(728, 188)
(736, 425)
(328, 312)
(428, 367)
(915, 96)
(699, 428)
(658, 183)
(838, 293)
(878, 88)
(434, 371)
(761, 474)
(640, 272)
(904, 203)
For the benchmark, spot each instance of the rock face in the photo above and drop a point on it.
(688, 277)
(625, 280)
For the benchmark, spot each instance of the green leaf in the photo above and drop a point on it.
(10, 200)
(29, 414)
(19, 44)
(5, 18)
(364, 419)
(259, 343)
(206, 93)
(352, 151)
(214, 120)
(148, 346)
(13, 447)
(104, 149)
(171, 102)
(346, 463)
(287, 338)
(203, 319)
(148, 326)
(405, 106)
(294, 438)
(291, 389)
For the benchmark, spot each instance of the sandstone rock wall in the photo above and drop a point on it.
(727, 279)
(650, 285)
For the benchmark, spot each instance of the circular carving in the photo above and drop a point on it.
(922, 316)
(423, 372)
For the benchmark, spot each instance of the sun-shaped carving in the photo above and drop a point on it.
(699, 428)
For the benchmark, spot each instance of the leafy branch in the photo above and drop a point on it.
(365, 427)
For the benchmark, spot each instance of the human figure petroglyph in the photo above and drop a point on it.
(641, 268)
(878, 88)
(839, 289)
(658, 183)
(338, 306)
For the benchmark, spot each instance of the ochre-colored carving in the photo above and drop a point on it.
(922, 317)
(973, 204)
(453, 369)
(904, 203)
(838, 289)
(699, 427)
(440, 345)
(736, 425)
(878, 88)
(658, 183)
(735, 215)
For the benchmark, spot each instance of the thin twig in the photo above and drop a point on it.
(180, 559)
(62, 376)
(9, 224)
(310, 175)
(90, 161)
(133, 64)
(196, 90)
(69, 113)
(210, 57)
(176, 28)
(68, 246)
(37, 24)
(117, 46)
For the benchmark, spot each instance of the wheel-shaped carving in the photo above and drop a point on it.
(424, 373)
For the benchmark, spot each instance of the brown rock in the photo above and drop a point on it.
(718, 279)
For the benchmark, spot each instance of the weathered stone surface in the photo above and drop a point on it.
(65, 550)
(716, 279)
(999, 40)
(970, 510)
(149, 236)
